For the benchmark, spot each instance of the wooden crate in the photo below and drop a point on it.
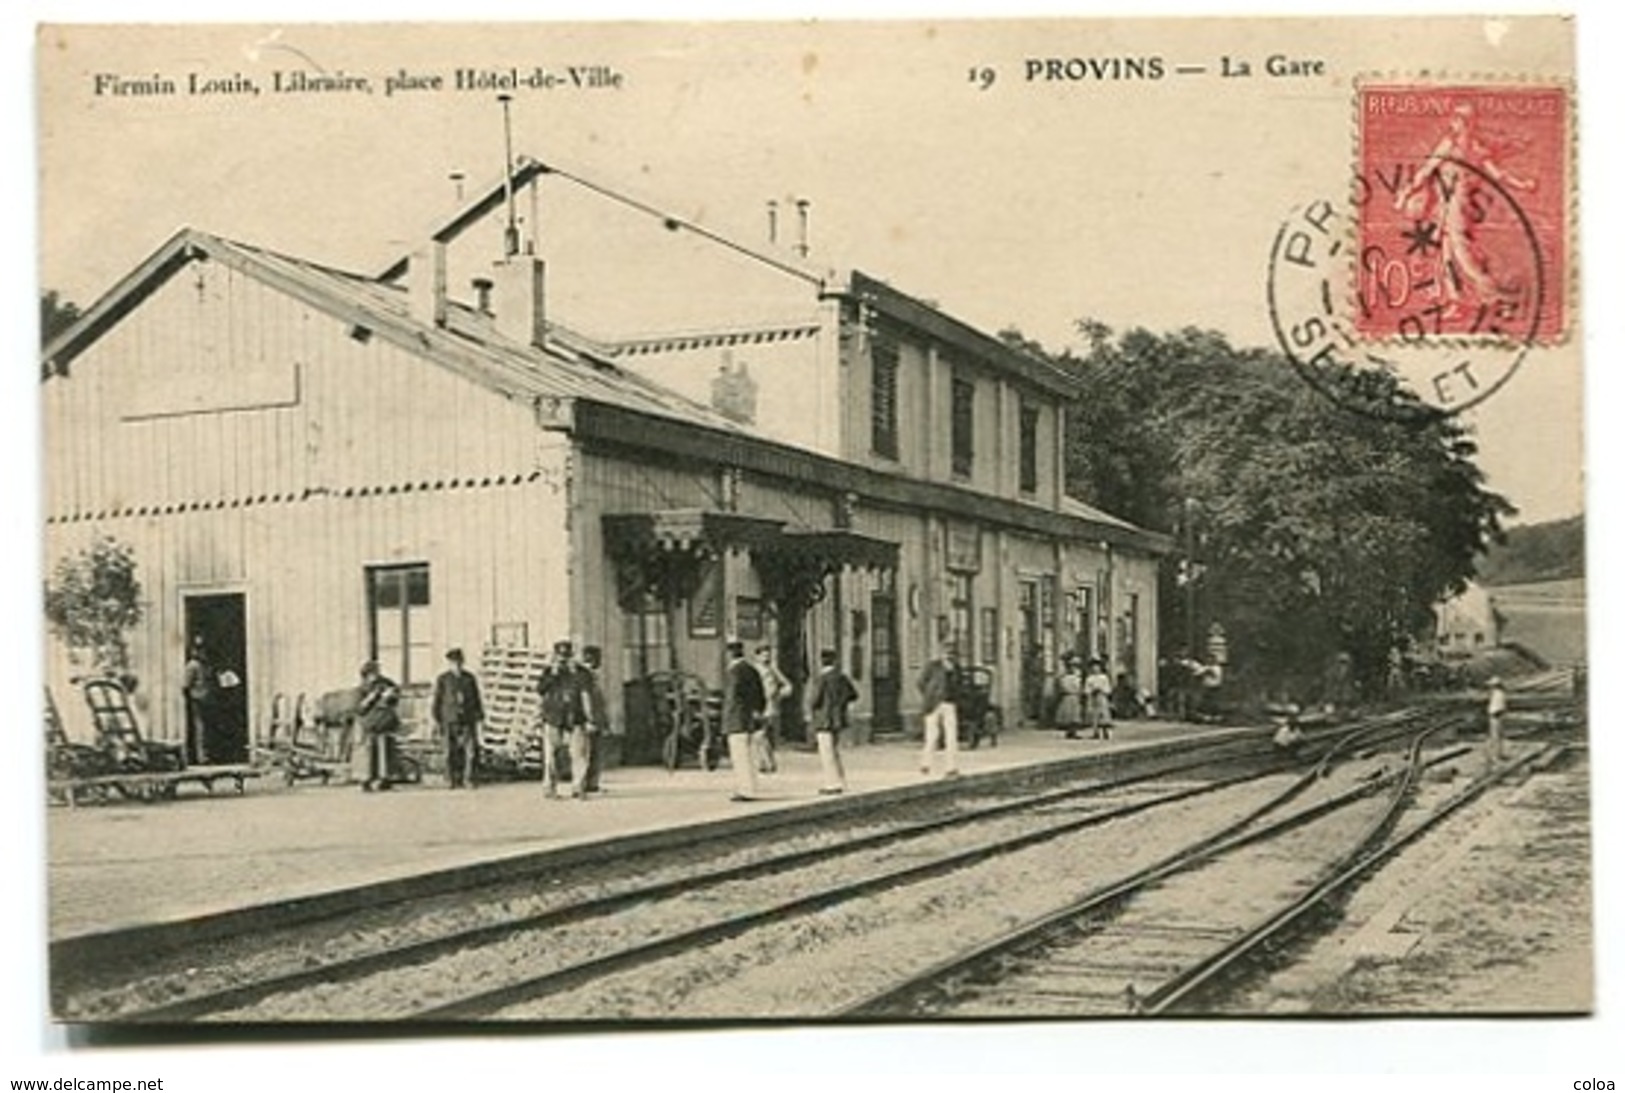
(512, 740)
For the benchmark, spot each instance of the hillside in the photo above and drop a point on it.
(1553, 551)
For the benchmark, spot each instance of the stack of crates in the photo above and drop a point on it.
(512, 742)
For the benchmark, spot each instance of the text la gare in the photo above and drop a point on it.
(1276, 64)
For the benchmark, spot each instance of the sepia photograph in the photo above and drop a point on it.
(679, 525)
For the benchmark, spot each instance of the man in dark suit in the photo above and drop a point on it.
(592, 661)
(743, 702)
(565, 688)
(832, 693)
(458, 713)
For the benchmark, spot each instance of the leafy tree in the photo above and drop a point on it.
(93, 600)
(1306, 529)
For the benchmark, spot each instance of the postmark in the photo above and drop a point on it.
(1425, 286)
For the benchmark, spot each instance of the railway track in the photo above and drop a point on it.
(1157, 941)
(527, 952)
(307, 961)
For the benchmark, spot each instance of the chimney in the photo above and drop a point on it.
(733, 391)
(802, 207)
(518, 299)
(426, 283)
(773, 223)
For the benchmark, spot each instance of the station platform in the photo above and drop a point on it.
(122, 865)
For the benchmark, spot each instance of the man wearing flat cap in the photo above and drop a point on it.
(566, 689)
(457, 715)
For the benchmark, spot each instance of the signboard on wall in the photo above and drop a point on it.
(963, 547)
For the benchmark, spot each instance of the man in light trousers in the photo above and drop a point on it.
(565, 688)
(743, 703)
(939, 687)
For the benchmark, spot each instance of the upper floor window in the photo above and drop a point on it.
(398, 610)
(1029, 448)
(962, 425)
(883, 398)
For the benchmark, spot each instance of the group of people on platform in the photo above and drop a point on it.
(753, 697)
(1083, 699)
(572, 708)
(574, 718)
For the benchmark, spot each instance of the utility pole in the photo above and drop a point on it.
(1190, 578)
(510, 233)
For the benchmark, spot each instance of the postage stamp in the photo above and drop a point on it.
(1462, 194)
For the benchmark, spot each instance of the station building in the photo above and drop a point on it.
(609, 424)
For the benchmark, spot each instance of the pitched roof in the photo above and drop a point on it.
(567, 366)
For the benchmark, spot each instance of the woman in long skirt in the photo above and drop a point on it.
(1069, 705)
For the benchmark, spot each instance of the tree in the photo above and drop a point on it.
(93, 600)
(1308, 530)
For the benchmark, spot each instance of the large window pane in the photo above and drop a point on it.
(400, 626)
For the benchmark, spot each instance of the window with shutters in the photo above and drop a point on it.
(883, 398)
(1029, 447)
(962, 426)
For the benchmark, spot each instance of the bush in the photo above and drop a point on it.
(93, 600)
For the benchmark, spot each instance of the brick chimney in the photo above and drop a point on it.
(733, 391)
(426, 283)
(518, 299)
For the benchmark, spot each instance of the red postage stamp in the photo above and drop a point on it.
(1462, 198)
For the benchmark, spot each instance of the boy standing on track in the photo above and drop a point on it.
(832, 693)
(1495, 712)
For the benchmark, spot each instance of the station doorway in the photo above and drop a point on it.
(220, 621)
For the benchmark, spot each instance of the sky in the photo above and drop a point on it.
(1031, 203)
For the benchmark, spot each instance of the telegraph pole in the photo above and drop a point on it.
(1190, 579)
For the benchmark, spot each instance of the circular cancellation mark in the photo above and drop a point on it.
(1439, 281)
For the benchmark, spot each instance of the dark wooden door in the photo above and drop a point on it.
(220, 620)
(884, 668)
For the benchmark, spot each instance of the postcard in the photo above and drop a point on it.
(850, 522)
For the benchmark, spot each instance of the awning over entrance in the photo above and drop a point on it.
(659, 551)
(684, 530)
(836, 549)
